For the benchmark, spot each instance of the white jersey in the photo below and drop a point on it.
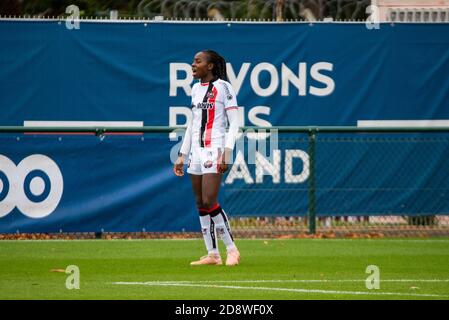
(209, 104)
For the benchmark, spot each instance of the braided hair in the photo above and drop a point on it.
(219, 69)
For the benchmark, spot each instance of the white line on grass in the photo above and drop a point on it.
(299, 281)
(238, 240)
(193, 284)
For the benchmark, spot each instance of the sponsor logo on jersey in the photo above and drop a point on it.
(205, 105)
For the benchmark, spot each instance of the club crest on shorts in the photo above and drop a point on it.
(207, 164)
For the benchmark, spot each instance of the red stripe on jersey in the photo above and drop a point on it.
(210, 118)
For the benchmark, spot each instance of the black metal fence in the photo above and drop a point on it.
(413, 201)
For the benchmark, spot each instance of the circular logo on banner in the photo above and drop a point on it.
(8, 188)
(34, 186)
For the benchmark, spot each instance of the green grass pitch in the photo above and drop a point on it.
(269, 269)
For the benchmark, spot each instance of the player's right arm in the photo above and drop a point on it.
(183, 152)
(178, 168)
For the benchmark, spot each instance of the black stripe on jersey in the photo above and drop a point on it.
(205, 114)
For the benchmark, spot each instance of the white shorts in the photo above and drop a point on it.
(203, 160)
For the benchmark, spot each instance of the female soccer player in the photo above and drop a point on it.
(209, 151)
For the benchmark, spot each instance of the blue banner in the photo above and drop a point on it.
(114, 183)
(139, 72)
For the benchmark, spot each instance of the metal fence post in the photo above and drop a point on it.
(312, 186)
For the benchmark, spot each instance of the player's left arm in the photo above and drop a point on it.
(233, 118)
(231, 107)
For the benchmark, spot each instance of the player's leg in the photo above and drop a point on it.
(211, 186)
(197, 189)
(207, 225)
